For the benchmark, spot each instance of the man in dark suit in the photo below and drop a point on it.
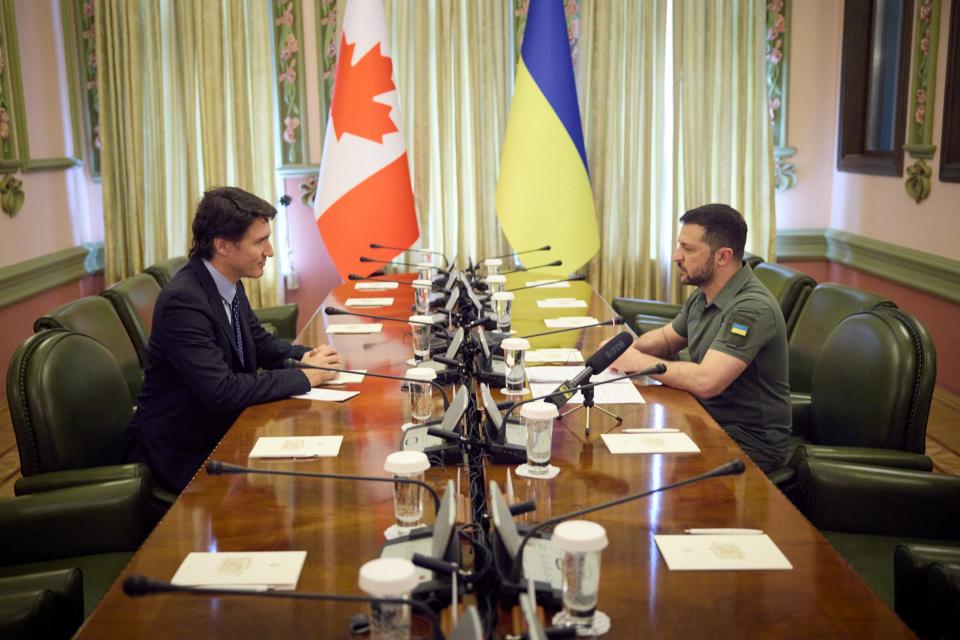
(207, 348)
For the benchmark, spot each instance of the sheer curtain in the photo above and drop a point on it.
(186, 104)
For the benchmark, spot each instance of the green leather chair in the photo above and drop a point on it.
(70, 407)
(61, 550)
(281, 320)
(94, 316)
(870, 396)
(899, 529)
(133, 299)
(790, 287)
(752, 259)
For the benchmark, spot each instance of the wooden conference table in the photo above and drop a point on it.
(340, 524)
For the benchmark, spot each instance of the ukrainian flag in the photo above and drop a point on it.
(543, 191)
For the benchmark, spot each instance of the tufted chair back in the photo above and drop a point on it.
(164, 271)
(790, 287)
(134, 299)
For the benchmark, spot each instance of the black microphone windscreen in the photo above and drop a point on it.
(214, 468)
(333, 311)
(290, 363)
(355, 276)
(545, 247)
(374, 245)
(555, 263)
(617, 321)
(605, 355)
(137, 585)
(733, 468)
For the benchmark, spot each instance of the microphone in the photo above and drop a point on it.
(655, 370)
(555, 263)
(575, 278)
(545, 247)
(732, 468)
(137, 585)
(613, 322)
(597, 363)
(290, 363)
(334, 311)
(357, 276)
(374, 245)
(218, 468)
(393, 264)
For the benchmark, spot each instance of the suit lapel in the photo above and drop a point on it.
(219, 311)
(249, 353)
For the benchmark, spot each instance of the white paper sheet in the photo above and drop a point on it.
(562, 373)
(251, 570)
(327, 395)
(721, 552)
(375, 286)
(554, 285)
(613, 393)
(569, 321)
(649, 442)
(561, 303)
(553, 355)
(355, 377)
(296, 447)
(369, 327)
(369, 302)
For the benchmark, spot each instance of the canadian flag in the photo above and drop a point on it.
(363, 190)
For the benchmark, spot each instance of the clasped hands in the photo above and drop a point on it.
(322, 356)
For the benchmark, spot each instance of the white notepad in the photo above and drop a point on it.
(553, 355)
(354, 377)
(369, 327)
(242, 570)
(613, 393)
(542, 284)
(369, 302)
(569, 322)
(721, 552)
(375, 286)
(649, 442)
(561, 303)
(327, 395)
(296, 447)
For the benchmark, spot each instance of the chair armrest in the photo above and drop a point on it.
(800, 406)
(26, 615)
(910, 565)
(84, 520)
(283, 318)
(644, 323)
(856, 498)
(630, 307)
(53, 480)
(892, 458)
(942, 587)
(66, 585)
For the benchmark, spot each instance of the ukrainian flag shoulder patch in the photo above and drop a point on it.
(739, 329)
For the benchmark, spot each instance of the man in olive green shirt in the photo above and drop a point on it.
(735, 333)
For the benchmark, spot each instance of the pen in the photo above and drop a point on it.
(651, 430)
(723, 532)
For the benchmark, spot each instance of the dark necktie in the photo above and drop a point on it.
(235, 320)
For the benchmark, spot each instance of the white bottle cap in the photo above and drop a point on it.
(502, 295)
(406, 462)
(388, 577)
(578, 536)
(492, 262)
(422, 284)
(539, 410)
(516, 344)
(495, 279)
(420, 319)
(421, 373)
(424, 265)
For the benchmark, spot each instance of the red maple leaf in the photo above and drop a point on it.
(353, 109)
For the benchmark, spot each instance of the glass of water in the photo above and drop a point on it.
(422, 332)
(581, 542)
(421, 296)
(425, 271)
(492, 266)
(389, 578)
(495, 283)
(538, 418)
(513, 356)
(421, 393)
(502, 305)
(407, 498)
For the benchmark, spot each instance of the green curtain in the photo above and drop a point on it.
(186, 105)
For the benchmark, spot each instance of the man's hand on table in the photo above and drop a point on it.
(322, 356)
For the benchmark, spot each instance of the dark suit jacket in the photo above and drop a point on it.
(195, 387)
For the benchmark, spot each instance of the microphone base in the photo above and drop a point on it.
(506, 453)
(440, 455)
(589, 408)
(510, 589)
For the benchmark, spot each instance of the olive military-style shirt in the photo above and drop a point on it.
(745, 321)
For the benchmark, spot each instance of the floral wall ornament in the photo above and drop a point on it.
(291, 93)
(920, 128)
(308, 192)
(11, 195)
(85, 66)
(777, 54)
(326, 27)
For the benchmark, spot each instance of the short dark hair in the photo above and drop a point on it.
(226, 212)
(723, 226)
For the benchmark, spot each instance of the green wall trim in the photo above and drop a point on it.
(915, 269)
(31, 277)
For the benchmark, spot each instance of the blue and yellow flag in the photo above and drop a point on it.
(543, 191)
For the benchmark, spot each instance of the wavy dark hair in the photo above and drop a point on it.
(723, 226)
(226, 212)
